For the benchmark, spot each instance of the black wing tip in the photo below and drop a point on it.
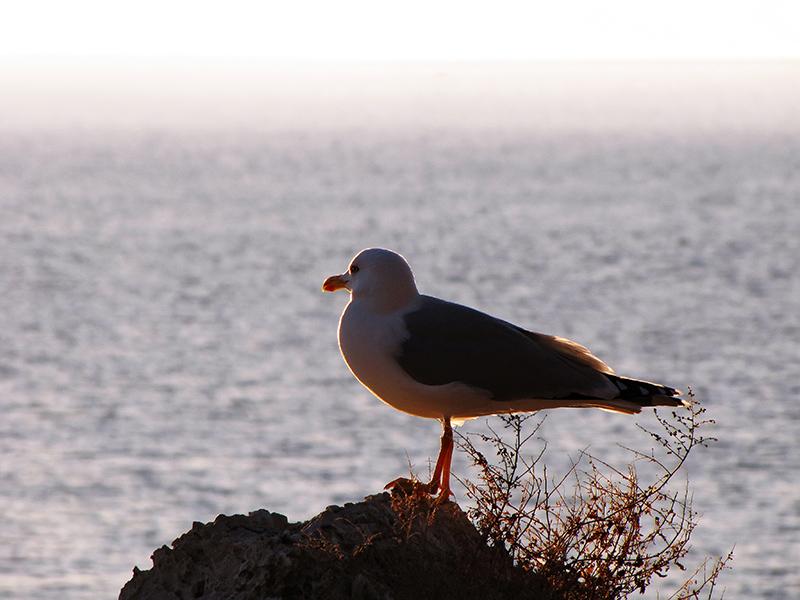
(675, 401)
(646, 393)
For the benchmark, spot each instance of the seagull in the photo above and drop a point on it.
(439, 360)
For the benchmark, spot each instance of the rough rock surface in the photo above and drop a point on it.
(382, 548)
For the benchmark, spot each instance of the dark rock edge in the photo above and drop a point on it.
(388, 548)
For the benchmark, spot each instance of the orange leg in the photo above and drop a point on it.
(441, 474)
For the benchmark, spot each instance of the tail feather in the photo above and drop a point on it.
(632, 396)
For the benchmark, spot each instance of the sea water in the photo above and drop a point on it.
(167, 354)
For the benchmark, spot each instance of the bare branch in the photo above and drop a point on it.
(597, 531)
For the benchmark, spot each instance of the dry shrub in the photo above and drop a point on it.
(597, 532)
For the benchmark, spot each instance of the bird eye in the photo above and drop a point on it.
(353, 269)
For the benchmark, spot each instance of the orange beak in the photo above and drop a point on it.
(333, 283)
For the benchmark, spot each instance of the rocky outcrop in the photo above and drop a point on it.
(382, 548)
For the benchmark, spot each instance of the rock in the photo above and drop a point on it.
(383, 548)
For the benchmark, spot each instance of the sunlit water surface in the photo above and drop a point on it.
(166, 353)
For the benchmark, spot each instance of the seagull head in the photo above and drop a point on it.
(377, 274)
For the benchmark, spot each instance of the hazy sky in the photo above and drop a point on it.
(408, 30)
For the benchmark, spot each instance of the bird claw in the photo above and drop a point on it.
(403, 486)
(410, 487)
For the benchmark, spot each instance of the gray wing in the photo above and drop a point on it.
(449, 342)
